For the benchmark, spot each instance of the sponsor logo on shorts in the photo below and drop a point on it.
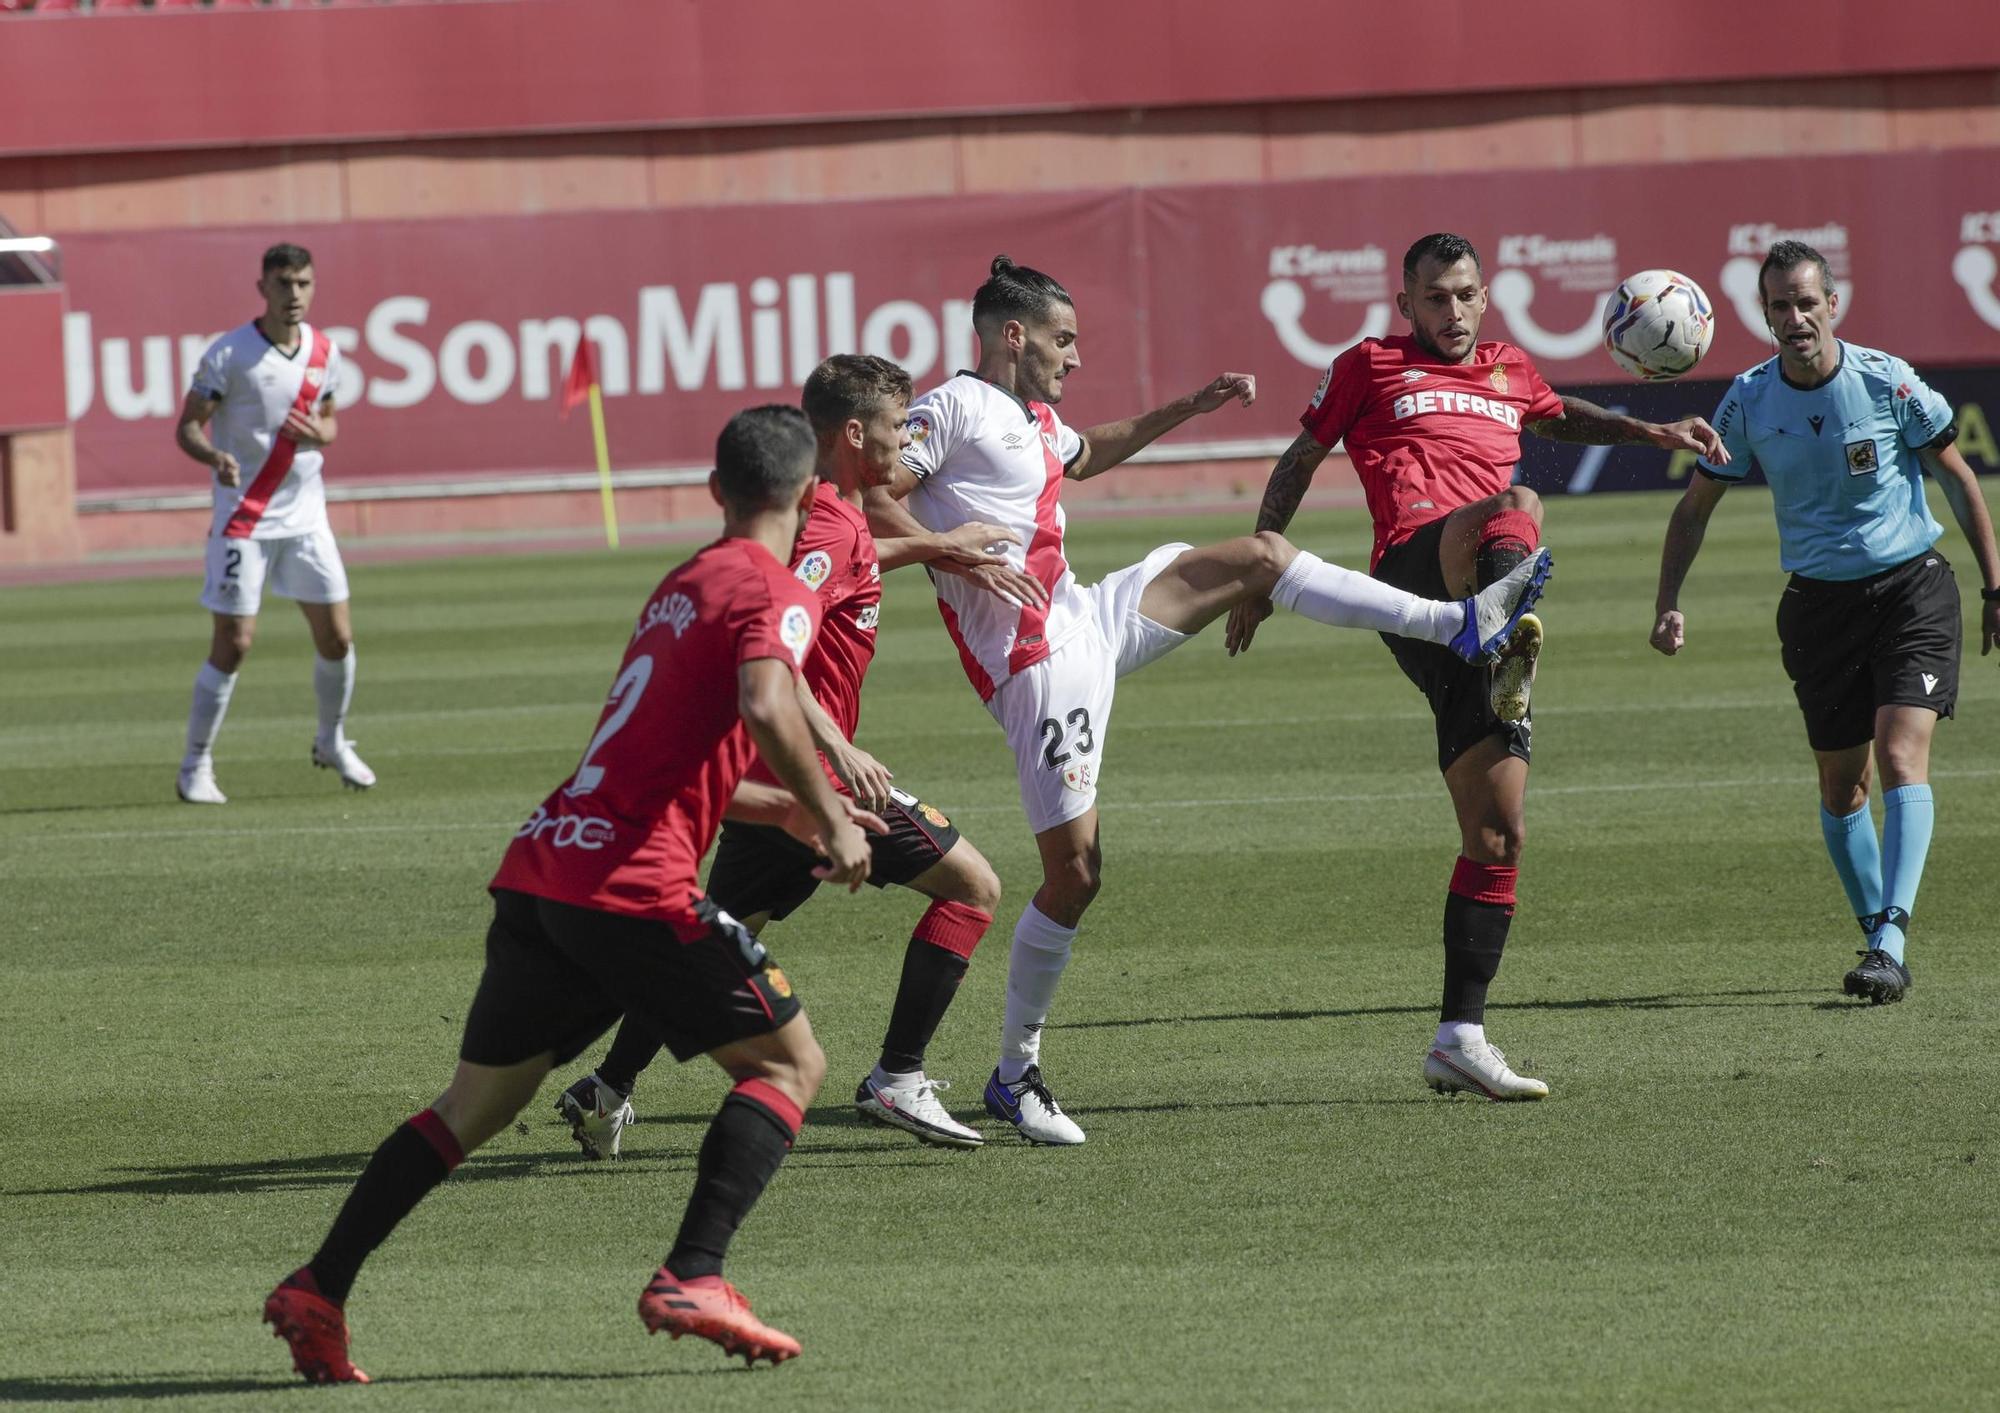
(567, 831)
(1861, 457)
(795, 630)
(814, 568)
(1930, 682)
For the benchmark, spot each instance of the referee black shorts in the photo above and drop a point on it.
(761, 869)
(1460, 692)
(1853, 645)
(557, 976)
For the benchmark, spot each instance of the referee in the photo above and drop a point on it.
(1869, 625)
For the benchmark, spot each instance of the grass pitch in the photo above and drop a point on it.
(1745, 1191)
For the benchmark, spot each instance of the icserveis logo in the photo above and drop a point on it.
(795, 631)
(1589, 262)
(1354, 276)
(1975, 264)
(567, 831)
(814, 568)
(1751, 241)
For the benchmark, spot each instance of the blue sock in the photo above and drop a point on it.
(1908, 813)
(1857, 858)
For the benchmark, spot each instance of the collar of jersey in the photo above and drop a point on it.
(273, 342)
(1007, 393)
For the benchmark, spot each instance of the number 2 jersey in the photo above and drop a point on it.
(626, 832)
(257, 386)
(835, 559)
(980, 453)
(1426, 436)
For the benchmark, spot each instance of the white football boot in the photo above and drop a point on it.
(597, 1114)
(1476, 1067)
(197, 785)
(914, 1108)
(340, 758)
(1028, 1105)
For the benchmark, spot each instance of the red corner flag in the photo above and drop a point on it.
(582, 376)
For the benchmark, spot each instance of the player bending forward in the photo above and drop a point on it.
(260, 416)
(1869, 624)
(1432, 421)
(596, 912)
(858, 408)
(988, 445)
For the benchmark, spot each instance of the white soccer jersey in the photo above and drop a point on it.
(980, 453)
(279, 493)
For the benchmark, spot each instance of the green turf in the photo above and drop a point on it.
(1744, 1192)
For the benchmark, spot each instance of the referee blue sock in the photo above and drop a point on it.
(1908, 814)
(1857, 858)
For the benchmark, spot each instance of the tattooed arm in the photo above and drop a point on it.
(1287, 487)
(1592, 425)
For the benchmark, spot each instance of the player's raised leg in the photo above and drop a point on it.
(1488, 786)
(214, 684)
(333, 688)
(964, 891)
(777, 1074)
(1072, 872)
(1481, 544)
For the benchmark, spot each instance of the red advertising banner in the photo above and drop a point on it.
(458, 332)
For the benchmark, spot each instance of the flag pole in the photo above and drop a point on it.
(603, 465)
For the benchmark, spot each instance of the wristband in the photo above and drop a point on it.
(1990, 595)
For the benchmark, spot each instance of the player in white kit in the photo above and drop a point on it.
(987, 445)
(259, 415)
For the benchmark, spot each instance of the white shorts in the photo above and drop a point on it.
(304, 567)
(1057, 713)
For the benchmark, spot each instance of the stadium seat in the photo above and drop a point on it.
(104, 7)
(177, 4)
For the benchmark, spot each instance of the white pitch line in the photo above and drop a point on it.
(1009, 807)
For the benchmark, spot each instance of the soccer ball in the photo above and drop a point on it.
(1658, 325)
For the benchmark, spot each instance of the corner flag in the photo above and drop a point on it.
(581, 386)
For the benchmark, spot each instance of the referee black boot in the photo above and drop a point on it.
(1879, 977)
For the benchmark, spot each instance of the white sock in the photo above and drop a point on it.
(1461, 1033)
(212, 690)
(333, 684)
(895, 1079)
(1041, 951)
(1326, 593)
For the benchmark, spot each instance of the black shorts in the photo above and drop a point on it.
(557, 976)
(1460, 692)
(1853, 645)
(761, 869)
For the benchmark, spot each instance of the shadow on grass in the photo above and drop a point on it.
(1690, 1000)
(91, 1388)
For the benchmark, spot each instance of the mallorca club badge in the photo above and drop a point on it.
(1498, 377)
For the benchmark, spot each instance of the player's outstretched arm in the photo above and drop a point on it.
(970, 543)
(1685, 530)
(889, 520)
(1106, 446)
(191, 436)
(1282, 494)
(769, 706)
(1585, 422)
(1968, 507)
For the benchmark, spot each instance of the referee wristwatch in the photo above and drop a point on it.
(1990, 595)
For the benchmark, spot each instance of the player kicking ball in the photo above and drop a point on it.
(596, 912)
(858, 406)
(1432, 421)
(988, 446)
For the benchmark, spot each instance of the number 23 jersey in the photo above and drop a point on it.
(626, 832)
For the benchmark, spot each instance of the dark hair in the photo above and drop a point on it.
(1442, 246)
(762, 457)
(286, 256)
(1015, 292)
(852, 385)
(1788, 255)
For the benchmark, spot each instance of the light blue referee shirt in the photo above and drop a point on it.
(1841, 459)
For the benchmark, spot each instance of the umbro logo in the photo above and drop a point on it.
(1411, 375)
(1014, 439)
(1930, 682)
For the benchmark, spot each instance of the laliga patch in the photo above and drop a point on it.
(795, 631)
(1861, 457)
(1325, 382)
(920, 427)
(814, 568)
(1081, 776)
